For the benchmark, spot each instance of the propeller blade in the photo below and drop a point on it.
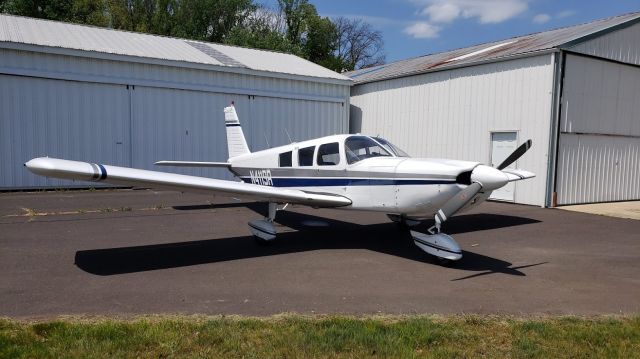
(458, 201)
(515, 155)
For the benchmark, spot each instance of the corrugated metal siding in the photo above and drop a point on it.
(65, 119)
(599, 149)
(189, 125)
(595, 168)
(451, 113)
(600, 97)
(621, 45)
(179, 125)
(86, 105)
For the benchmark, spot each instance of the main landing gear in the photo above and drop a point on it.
(263, 230)
(438, 244)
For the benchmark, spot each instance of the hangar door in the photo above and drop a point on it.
(65, 119)
(171, 124)
(599, 149)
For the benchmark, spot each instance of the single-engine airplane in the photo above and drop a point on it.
(350, 172)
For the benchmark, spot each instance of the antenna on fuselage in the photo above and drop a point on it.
(288, 135)
(266, 139)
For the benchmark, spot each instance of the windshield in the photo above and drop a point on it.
(360, 147)
(391, 147)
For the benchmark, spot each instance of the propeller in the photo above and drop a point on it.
(515, 155)
(481, 178)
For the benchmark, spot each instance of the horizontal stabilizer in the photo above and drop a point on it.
(517, 175)
(192, 164)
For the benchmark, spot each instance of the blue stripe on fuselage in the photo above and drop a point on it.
(328, 182)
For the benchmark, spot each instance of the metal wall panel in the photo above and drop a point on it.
(600, 97)
(73, 120)
(189, 125)
(593, 168)
(621, 45)
(452, 113)
(89, 106)
(600, 132)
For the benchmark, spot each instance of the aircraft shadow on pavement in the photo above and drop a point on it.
(312, 233)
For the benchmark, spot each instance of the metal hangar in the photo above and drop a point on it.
(574, 91)
(130, 99)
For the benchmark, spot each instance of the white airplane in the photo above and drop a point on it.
(351, 172)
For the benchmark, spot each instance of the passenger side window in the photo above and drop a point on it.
(285, 159)
(329, 154)
(305, 156)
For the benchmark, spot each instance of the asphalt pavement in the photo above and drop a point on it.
(124, 252)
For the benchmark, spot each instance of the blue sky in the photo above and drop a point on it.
(417, 27)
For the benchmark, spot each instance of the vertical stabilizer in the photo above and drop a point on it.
(235, 137)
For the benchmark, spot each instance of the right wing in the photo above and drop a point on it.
(84, 171)
(517, 175)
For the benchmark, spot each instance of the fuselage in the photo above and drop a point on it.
(372, 173)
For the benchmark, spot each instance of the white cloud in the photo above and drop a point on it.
(485, 11)
(423, 30)
(442, 12)
(541, 18)
(565, 13)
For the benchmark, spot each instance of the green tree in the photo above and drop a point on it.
(296, 13)
(44, 9)
(320, 40)
(210, 20)
(90, 12)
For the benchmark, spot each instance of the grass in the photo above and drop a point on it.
(295, 336)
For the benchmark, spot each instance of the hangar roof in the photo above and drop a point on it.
(495, 51)
(82, 40)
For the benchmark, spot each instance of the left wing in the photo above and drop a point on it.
(84, 171)
(192, 164)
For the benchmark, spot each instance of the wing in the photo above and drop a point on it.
(193, 164)
(517, 175)
(84, 171)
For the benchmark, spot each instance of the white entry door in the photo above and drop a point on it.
(502, 145)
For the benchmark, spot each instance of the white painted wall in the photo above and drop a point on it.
(452, 113)
(599, 153)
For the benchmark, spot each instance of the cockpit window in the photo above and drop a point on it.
(329, 154)
(391, 147)
(360, 147)
(305, 156)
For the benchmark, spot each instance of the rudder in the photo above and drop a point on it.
(236, 142)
